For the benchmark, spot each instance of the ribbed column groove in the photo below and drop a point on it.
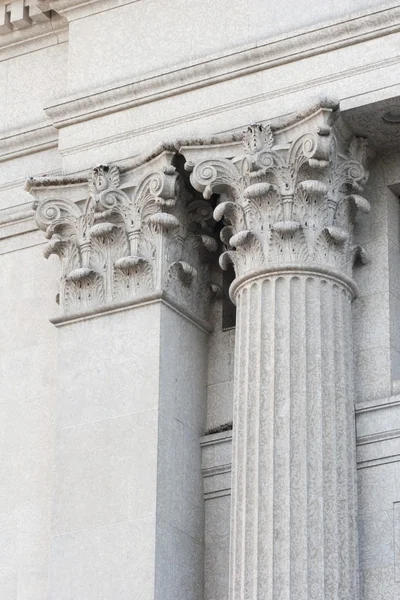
(288, 197)
(293, 502)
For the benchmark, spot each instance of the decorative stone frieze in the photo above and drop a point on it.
(126, 242)
(288, 197)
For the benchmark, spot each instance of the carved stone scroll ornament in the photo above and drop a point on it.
(128, 244)
(288, 203)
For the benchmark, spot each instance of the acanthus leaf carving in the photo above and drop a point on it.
(258, 137)
(126, 242)
(288, 197)
(68, 228)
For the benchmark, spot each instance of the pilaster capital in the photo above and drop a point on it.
(126, 235)
(289, 193)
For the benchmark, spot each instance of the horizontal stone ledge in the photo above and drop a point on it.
(378, 431)
(16, 213)
(381, 436)
(39, 35)
(105, 309)
(224, 66)
(217, 449)
(172, 145)
(79, 9)
(216, 464)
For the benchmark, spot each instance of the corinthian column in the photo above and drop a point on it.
(288, 199)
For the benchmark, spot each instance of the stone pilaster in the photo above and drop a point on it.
(288, 200)
(134, 246)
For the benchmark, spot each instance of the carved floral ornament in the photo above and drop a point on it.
(123, 245)
(286, 203)
(287, 196)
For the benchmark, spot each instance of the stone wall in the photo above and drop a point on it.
(102, 82)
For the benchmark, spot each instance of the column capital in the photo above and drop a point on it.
(126, 235)
(289, 193)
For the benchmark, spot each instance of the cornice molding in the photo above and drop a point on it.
(21, 212)
(142, 162)
(79, 9)
(27, 141)
(41, 34)
(225, 66)
(251, 100)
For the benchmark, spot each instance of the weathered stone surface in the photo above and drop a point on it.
(288, 201)
(102, 417)
(122, 246)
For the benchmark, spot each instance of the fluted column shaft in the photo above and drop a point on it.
(293, 489)
(288, 199)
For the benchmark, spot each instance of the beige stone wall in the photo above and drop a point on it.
(100, 83)
(27, 393)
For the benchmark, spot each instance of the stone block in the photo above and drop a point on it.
(103, 475)
(104, 562)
